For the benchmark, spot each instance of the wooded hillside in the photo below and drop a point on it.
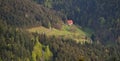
(103, 16)
(37, 30)
(24, 13)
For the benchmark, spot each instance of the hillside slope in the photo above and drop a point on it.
(103, 16)
(67, 32)
(45, 42)
(24, 13)
(19, 45)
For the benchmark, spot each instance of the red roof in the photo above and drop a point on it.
(70, 22)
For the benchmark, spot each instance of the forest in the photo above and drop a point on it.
(49, 38)
(103, 16)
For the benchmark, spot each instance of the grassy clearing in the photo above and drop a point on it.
(72, 32)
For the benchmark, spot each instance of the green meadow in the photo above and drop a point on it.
(71, 32)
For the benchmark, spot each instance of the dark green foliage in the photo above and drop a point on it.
(17, 45)
(14, 45)
(103, 16)
(24, 13)
(100, 15)
(69, 50)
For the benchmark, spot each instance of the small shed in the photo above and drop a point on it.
(69, 22)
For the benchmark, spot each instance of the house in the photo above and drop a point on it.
(69, 22)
